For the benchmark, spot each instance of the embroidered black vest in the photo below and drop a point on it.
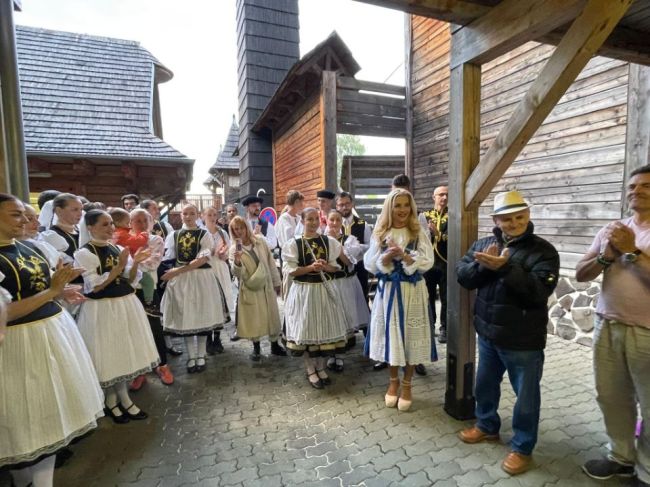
(358, 229)
(188, 245)
(343, 272)
(27, 272)
(73, 245)
(308, 248)
(109, 256)
(440, 219)
(160, 229)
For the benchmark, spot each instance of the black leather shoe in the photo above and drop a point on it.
(379, 366)
(137, 416)
(442, 337)
(276, 349)
(234, 337)
(200, 364)
(255, 356)
(217, 345)
(191, 366)
(315, 385)
(325, 380)
(117, 418)
(420, 370)
(174, 350)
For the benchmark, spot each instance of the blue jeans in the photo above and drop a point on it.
(525, 373)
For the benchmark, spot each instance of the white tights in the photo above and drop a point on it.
(196, 345)
(39, 475)
(121, 391)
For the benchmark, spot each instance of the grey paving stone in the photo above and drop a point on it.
(334, 470)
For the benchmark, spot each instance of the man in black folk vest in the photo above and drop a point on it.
(434, 222)
(353, 225)
(253, 206)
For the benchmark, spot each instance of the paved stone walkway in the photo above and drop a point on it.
(247, 424)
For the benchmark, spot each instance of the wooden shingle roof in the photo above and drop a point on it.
(89, 96)
(227, 158)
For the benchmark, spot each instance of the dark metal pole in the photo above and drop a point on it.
(12, 113)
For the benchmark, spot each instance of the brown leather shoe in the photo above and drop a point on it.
(516, 463)
(474, 435)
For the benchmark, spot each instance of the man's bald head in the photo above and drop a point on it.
(440, 198)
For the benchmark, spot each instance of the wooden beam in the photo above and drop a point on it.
(328, 129)
(582, 40)
(464, 138)
(459, 11)
(358, 84)
(409, 168)
(637, 140)
(508, 25)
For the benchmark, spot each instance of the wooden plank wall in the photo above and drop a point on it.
(297, 157)
(572, 168)
(368, 179)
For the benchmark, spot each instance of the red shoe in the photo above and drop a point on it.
(166, 376)
(138, 382)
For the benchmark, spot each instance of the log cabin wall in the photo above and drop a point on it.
(297, 155)
(572, 168)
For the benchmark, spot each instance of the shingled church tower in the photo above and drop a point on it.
(268, 46)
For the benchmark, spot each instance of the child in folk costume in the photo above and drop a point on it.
(191, 304)
(400, 333)
(219, 263)
(316, 325)
(112, 320)
(257, 313)
(141, 222)
(352, 297)
(49, 392)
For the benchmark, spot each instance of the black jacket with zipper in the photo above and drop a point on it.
(511, 303)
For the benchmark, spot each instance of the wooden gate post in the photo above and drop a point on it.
(464, 137)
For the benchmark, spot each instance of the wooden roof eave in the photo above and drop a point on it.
(624, 43)
(332, 49)
(90, 157)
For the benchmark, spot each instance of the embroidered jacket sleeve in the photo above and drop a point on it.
(352, 249)
(206, 246)
(372, 258)
(170, 246)
(90, 263)
(157, 247)
(335, 249)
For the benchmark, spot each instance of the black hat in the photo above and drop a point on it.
(251, 199)
(324, 193)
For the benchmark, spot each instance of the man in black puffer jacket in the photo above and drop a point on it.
(514, 273)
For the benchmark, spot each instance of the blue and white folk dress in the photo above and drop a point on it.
(400, 330)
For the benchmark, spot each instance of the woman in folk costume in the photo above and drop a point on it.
(219, 263)
(191, 305)
(400, 334)
(257, 313)
(112, 320)
(352, 297)
(316, 325)
(49, 392)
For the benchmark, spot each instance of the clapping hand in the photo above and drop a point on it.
(140, 255)
(72, 295)
(63, 275)
(491, 258)
(620, 237)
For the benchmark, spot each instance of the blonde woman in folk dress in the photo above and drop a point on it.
(257, 313)
(219, 263)
(400, 332)
(316, 325)
(49, 392)
(112, 320)
(191, 305)
(346, 281)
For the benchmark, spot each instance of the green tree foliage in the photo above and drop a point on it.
(347, 145)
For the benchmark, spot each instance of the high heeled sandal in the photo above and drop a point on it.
(316, 385)
(405, 404)
(325, 380)
(391, 401)
(136, 416)
(117, 418)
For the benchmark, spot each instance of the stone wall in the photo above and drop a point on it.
(572, 309)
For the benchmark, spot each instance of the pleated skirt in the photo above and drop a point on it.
(192, 303)
(354, 302)
(315, 322)
(118, 337)
(387, 343)
(49, 391)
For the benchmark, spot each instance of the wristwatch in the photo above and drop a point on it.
(631, 257)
